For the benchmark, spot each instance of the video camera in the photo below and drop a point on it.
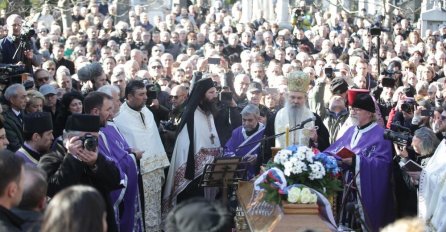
(402, 136)
(25, 36)
(11, 74)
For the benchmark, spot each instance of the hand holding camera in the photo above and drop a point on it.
(84, 148)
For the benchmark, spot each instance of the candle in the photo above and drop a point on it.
(287, 136)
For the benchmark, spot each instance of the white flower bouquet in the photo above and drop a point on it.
(299, 165)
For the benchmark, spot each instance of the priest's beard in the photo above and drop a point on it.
(354, 121)
(209, 106)
(294, 113)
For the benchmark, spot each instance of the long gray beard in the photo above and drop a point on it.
(294, 114)
(354, 121)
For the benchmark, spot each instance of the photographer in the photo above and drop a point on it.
(77, 161)
(423, 145)
(17, 47)
(178, 96)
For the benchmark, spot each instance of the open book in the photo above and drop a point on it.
(411, 166)
(345, 153)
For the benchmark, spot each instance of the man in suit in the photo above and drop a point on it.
(15, 96)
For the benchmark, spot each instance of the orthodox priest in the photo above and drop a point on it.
(126, 201)
(137, 125)
(295, 112)
(197, 144)
(368, 171)
(242, 142)
(432, 190)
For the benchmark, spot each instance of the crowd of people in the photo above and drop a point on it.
(116, 118)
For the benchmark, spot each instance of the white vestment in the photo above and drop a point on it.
(297, 137)
(204, 127)
(432, 191)
(140, 131)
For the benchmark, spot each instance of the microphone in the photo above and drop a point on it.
(302, 124)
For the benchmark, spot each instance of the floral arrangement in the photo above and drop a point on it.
(301, 195)
(299, 165)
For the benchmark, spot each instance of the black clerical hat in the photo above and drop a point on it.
(37, 122)
(82, 122)
(364, 101)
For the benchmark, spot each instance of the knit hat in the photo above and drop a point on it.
(338, 85)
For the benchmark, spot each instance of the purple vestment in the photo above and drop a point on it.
(113, 145)
(374, 164)
(239, 138)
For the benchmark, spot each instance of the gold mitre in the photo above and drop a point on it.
(298, 81)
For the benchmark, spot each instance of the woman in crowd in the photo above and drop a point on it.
(34, 101)
(71, 104)
(76, 209)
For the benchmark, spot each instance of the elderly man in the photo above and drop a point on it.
(250, 131)
(16, 97)
(10, 44)
(295, 112)
(118, 79)
(142, 134)
(178, 97)
(74, 162)
(369, 152)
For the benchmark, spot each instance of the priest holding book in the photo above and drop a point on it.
(367, 172)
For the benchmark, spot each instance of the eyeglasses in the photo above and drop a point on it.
(42, 79)
(157, 67)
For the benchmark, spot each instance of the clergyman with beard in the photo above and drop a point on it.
(196, 142)
(137, 125)
(38, 135)
(295, 112)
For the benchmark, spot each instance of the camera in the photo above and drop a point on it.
(408, 107)
(11, 74)
(89, 142)
(399, 138)
(25, 36)
(402, 136)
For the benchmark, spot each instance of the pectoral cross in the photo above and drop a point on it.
(212, 137)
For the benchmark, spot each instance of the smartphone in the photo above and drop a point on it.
(213, 60)
(329, 72)
(427, 113)
(226, 97)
